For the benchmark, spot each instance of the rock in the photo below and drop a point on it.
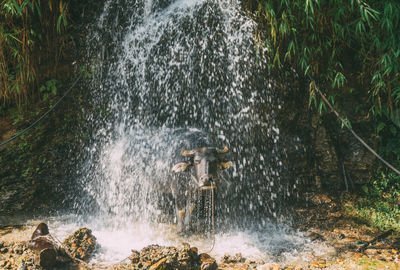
(315, 236)
(41, 229)
(22, 267)
(233, 259)
(325, 154)
(8, 265)
(161, 257)
(321, 199)
(20, 264)
(135, 256)
(46, 251)
(269, 266)
(44, 246)
(81, 244)
(248, 262)
(194, 250)
(207, 262)
(1, 244)
(18, 249)
(160, 265)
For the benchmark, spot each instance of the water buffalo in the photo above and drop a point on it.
(201, 170)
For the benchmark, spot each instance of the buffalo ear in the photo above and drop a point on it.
(180, 167)
(224, 165)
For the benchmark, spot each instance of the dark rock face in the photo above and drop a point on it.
(358, 161)
(340, 159)
(319, 153)
(325, 155)
(157, 257)
(81, 244)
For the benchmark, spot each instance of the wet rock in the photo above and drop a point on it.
(18, 249)
(315, 236)
(207, 262)
(249, 261)
(22, 267)
(81, 244)
(43, 244)
(160, 265)
(269, 266)
(233, 259)
(157, 257)
(20, 264)
(135, 257)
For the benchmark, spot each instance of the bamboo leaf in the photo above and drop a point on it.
(380, 127)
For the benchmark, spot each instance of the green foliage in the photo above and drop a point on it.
(87, 71)
(351, 48)
(379, 202)
(335, 41)
(383, 186)
(388, 132)
(28, 37)
(49, 88)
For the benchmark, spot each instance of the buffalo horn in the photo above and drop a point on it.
(180, 167)
(224, 165)
(222, 152)
(187, 153)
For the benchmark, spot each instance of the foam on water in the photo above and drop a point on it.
(279, 244)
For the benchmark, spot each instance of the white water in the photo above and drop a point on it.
(271, 244)
(166, 70)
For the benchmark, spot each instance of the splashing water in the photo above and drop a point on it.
(271, 244)
(166, 70)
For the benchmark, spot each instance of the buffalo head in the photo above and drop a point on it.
(205, 162)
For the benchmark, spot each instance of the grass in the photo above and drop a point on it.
(378, 204)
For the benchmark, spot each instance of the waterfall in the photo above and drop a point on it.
(163, 69)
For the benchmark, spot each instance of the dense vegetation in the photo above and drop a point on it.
(31, 46)
(351, 48)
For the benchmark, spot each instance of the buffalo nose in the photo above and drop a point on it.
(205, 181)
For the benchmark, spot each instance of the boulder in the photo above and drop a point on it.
(207, 262)
(233, 259)
(157, 257)
(45, 247)
(81, 244)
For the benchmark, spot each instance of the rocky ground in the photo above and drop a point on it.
(355, 245)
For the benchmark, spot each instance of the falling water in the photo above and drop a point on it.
(165, 70)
